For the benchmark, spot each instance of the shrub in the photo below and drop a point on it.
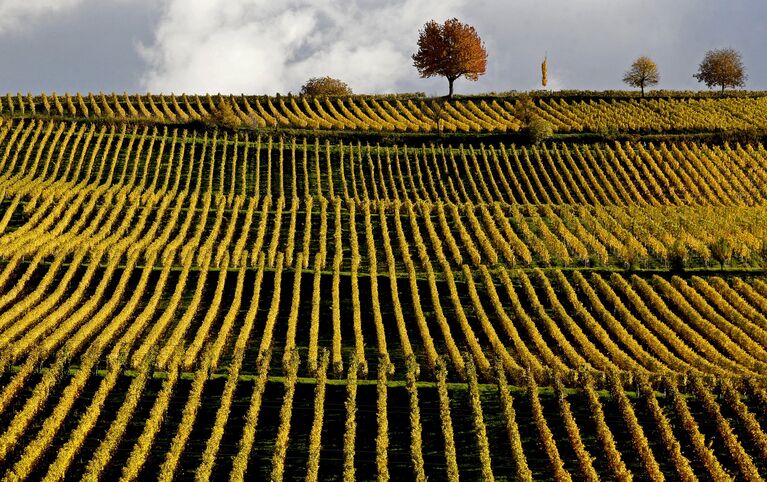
(325, 86)
(539, 130)
(678, 255)
(225, 116)
(721, 250)
(607, 133)
(524, 108)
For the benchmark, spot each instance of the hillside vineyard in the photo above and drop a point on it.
(182, 303)
(410, 114)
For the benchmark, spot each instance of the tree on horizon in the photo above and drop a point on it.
(722, 67)
(325, 86)
(450, 50)
(643, 73)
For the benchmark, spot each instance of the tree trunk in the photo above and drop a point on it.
(450, 82)
(722, 88)
(642, 87)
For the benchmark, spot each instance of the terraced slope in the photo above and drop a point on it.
(182, 304)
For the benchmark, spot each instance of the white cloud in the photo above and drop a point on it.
(263, 46)
(16, 14)
(260, 46)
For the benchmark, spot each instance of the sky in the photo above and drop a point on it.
(270, 46)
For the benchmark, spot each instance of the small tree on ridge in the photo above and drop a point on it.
(722, 67)
(643, 73)
(325, 86)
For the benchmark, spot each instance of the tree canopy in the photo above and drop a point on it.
(450, 50)
(325, 86)
(722, 67)
(643, 73)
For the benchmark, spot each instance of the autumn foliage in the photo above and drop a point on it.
(722, 67)
(225, 116)
(643, 73)
(325, 86)
(450, 50)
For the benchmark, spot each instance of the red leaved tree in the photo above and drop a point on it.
(450, 50)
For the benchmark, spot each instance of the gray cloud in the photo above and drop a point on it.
(260, 46)
(263, 46)
(90, 46)
(16, 14)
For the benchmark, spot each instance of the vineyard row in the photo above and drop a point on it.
(37, 153)
(130, 427)
(404, 115)
(539, 321)
(61, 220)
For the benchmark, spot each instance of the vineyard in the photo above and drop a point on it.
(183, 303)
(406, 114)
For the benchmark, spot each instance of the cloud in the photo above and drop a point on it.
(16, 14)
(236, 46)
(260, 46)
